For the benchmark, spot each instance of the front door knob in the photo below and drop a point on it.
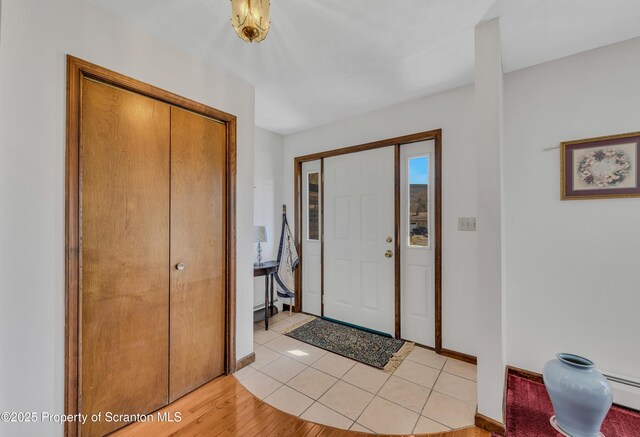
(180, 266)
(388, 254)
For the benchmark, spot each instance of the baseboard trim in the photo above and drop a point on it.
(245, 361)
(537, 377)
(449, 353)
(526, 374)
(489, 424)
(419, 344)
(459, 356)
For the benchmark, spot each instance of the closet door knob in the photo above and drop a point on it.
(180, 266)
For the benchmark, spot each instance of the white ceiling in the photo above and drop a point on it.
(326, 60)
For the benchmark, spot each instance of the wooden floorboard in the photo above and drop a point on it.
(225, 408)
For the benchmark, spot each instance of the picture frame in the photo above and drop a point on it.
(601, 167)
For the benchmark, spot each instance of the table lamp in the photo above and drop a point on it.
(260, 235)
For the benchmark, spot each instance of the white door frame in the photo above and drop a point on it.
(435, 135)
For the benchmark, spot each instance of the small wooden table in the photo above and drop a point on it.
(268, 270)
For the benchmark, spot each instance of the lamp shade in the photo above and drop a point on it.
(250, 19)
(260, 234)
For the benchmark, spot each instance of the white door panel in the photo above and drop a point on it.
(359, 216)
(417, 173)
(311, 238)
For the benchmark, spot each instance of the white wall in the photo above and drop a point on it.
(571, 281)
(570, 278)
(572, 267)
(489, 125)
(36, 36)
(452, 111)
(267, 202)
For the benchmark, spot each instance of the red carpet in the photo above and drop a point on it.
(529, 409)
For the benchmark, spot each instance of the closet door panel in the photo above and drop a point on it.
(124, 199)
(198, 242)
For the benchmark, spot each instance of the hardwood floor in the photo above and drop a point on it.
(224, 407)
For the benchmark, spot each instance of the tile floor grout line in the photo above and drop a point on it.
(301, 342)
(475, 405)
(443, 424)
(453, 397)
(430, 393)
(421, 385)
(282, 384)
(340, 378)
(314, 400)
(376, 394)
(426, 365)
(365, 408)
(422, 409)
(311, 365)
(305, 410)
(459, 376)
(427, 401)
(369, 430)
(285, 383)
(337, 412)
(319, 370)
(323, 393)
(341, 414)
(322, 356)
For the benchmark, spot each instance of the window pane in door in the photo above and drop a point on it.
(419, 201)
(313, 212)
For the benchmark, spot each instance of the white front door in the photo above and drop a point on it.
(417, 277)
(359, 280)
(311, 238)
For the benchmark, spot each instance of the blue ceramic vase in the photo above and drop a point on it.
(580, 395)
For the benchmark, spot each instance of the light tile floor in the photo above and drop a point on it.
(427, 393)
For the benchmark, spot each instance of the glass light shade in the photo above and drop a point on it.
(250, 19)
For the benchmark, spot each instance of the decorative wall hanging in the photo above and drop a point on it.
(597, 168)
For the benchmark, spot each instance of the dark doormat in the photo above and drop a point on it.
(367, 347)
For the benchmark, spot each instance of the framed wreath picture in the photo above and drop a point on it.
(603, 167)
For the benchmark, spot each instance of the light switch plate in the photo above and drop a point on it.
(466, 223)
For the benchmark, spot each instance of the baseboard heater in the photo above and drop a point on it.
(260, 306)
(626, 390)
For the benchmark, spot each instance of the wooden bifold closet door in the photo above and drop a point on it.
(152, 196)
(198, 190)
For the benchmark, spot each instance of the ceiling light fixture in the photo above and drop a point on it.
(250, 19)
